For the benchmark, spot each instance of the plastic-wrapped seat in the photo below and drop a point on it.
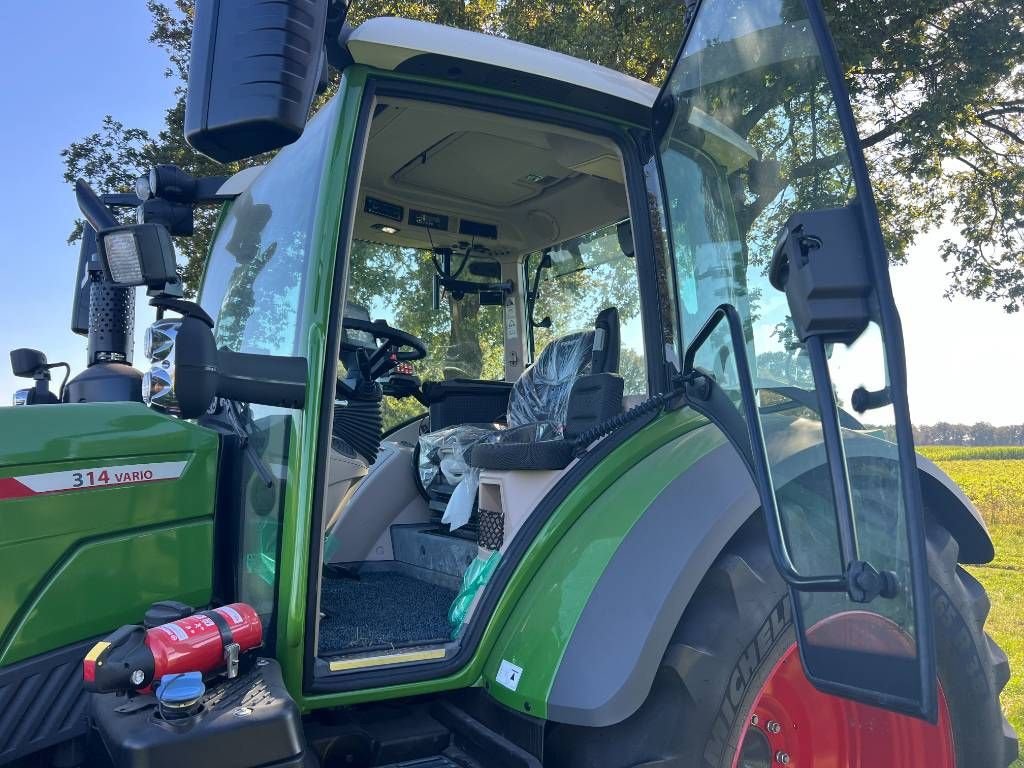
(537, 406)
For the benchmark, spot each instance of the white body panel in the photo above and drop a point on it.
(387, 42)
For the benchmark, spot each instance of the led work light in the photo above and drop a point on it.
(138, 254)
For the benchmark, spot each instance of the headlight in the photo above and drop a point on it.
(158, 382)
(158, 389)
(138, 254)
(159, 341)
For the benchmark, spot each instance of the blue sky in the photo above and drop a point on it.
(65, 65)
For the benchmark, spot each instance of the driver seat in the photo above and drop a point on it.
(537, 408)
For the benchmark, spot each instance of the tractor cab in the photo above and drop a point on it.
(492, 316)
(498, 289)
(528, 395)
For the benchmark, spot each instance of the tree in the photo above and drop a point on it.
(937, 87)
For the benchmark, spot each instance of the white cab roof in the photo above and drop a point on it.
(389, 41)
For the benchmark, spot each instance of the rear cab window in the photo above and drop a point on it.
(571, 282)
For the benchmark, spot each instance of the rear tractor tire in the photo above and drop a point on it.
(730, 692)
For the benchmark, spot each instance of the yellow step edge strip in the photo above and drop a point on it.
(392, 658)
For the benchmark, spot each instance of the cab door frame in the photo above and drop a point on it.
(320, 688)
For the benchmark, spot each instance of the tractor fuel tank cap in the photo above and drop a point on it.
(178, 695)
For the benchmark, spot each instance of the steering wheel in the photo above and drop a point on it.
(397, 345)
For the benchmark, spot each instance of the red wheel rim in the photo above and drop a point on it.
(799, 726)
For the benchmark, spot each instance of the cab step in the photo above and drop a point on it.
(437, 733)
(438, 761)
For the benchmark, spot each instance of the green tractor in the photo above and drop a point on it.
(517, 422)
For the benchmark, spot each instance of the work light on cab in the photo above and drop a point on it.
(139, 254)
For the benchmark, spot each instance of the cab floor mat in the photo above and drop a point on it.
(382, 609)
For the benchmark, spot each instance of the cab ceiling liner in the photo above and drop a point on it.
(515, 171)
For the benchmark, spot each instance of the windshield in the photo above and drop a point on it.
(580, 277)
(255, 277)
(465, 340)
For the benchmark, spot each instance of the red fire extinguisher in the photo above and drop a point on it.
(133, 657)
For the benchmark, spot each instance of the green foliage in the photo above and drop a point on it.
(937, 87)
(997, 489)
(972, 453)
(939, 93)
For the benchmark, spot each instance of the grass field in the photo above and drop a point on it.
(994, 480)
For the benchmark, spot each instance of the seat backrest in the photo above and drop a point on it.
(605, 357)
(541, 393)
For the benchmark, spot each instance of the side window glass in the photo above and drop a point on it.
(273, 432)
(570, 283)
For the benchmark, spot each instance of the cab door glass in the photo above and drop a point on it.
(750, 134)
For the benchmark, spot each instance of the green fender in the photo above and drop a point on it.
(584, 641)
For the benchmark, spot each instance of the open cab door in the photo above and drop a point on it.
(788, 324)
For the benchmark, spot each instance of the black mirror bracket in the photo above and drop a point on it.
(828, 289)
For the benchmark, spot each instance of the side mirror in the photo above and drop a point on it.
(32, 364)
(254, 70)
(26, 363)
(138, 254)
(188, 371)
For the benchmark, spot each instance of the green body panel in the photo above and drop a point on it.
(78, 563)
(538, 630)
(640, 449)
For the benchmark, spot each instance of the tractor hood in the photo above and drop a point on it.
(105, 509)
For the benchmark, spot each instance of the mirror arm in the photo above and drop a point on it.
(243, 432)
(750, 443)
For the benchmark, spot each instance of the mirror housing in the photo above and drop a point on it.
(188, 370)
(26, 363)
(254, 71)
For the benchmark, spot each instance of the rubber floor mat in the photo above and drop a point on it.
(382, 609)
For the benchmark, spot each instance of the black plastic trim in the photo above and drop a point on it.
(656, 372)
(43, 701)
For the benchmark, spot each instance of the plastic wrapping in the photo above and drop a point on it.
(476, 576)
(530, 433)
(460, 505)
(447, 451)
(536, 411)
(542, 392)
